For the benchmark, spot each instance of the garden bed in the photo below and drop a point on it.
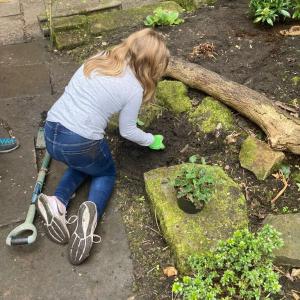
(254, 55)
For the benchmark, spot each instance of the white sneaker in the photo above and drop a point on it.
(82, 239)
(54, 214)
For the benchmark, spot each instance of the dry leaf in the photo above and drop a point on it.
(293, 31)
(170, 271)
(296, 273)
(295, 296)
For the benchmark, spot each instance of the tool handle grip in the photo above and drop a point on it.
(14, 237)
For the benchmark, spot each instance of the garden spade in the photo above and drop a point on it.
(26, 233)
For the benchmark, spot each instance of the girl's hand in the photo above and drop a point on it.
(158, 143)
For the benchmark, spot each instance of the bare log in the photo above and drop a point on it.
(282, 129)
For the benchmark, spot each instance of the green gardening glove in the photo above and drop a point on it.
(157, 143)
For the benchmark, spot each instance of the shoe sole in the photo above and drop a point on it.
(81, 240)
(54, 228)
(9, 150)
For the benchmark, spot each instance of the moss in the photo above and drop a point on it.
(173, 95)
(70, 39)
(296, 176)
(209, 114)
(148, 113)
(191, 5)
(71, 22)
(259, 158)
(195, 234)
(296, 80)
(131, 17)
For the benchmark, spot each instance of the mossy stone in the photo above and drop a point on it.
(195, 234)
(191, 5)
(148, 113)
(70, 39)
(126, 18)
(209, 114)
(173, 95)
(67, 23)
(258, 157)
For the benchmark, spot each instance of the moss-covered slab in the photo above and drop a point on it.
(67, 23)
(70, 39)
(148, 113)
(258, 157)
(191, 5)
(194, 234)
(131, 17)
(210, 115)
(173, 95)
(289, 226)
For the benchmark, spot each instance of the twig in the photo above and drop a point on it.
(153, 230)
(184, 148)
(151, 270)
(285, 182)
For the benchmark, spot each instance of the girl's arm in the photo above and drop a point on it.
(127, 123)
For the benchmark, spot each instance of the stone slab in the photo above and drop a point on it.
(42, 271)
(35, 80)
(289, 226)
(194, 234)
(259, 158)
(24, 54)
(18, 168)
(9, 8)
(11, 30)
(32, 9)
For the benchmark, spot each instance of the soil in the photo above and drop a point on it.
(254, 55)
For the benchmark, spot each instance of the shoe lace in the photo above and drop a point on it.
(6, 141)
(72, 219)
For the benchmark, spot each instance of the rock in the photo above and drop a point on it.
(191, 5)
(70, 39)
(289, 226)
(148, 113)
(120, 19)
(173, 95)
(194, 234)
(258, 157)
(210, 114)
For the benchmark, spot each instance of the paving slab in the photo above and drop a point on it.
(11, 30)
(42, 271)
(18, 170)
(31, 9)
(24, 54)
(9, 8)
(35, 81)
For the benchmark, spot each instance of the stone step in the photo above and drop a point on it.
(105, 23)
(72, 12)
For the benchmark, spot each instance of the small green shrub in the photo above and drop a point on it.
(239, 268)
(194, 184)
(163, 17)
(270, 11)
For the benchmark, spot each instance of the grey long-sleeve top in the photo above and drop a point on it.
(88, 103)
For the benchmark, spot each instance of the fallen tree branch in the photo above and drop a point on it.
(285, 185)
(282, 129)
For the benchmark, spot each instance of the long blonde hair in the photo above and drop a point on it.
(144, 51)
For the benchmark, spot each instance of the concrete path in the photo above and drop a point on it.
(31, 79)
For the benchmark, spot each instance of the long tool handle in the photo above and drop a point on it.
(28, 226)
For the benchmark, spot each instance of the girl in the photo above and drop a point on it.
(118, 80)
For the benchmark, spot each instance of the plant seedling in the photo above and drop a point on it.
(163, 17)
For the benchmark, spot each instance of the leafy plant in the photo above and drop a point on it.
(296, 8)
(269, 11)
(194, 183)
(286, 171)
(239, 268)
(163, 17)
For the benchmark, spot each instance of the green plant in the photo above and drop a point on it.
(286, 171)
(163, 17)
(296, 8)
(285, 210)
(194, 183)
(238, 268)
(269, 11)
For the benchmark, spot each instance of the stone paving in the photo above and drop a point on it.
(31, 79)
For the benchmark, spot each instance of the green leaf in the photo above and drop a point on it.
(270, 22)
(285, 13)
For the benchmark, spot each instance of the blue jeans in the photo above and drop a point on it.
(84, 158)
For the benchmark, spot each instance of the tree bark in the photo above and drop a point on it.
(282, 129)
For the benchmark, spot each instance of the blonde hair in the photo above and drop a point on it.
(144, 51)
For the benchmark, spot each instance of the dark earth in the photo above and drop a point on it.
(254, 55)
